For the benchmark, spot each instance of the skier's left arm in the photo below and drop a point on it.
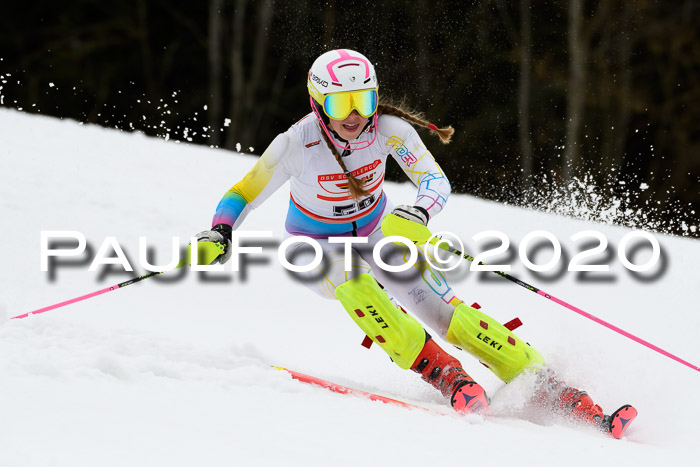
(407, 148)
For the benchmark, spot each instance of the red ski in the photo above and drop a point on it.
(615, 424)
(345, 390)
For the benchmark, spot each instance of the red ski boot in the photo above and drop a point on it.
(445, 373)
(579, 406)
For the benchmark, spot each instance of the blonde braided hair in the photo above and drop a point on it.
(416, 118)
(355, 185)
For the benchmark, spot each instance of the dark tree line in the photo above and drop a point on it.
(541, 92)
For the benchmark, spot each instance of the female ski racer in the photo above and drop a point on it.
(335, 159)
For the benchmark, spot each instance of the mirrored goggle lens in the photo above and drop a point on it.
(338, 106)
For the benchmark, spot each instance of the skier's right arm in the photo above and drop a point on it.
(280, 160)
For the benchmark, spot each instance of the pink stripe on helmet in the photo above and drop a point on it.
(344, 56)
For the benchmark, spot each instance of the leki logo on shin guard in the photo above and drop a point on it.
(375, 314)
(491, 342)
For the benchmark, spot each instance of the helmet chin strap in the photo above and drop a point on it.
(372, 122)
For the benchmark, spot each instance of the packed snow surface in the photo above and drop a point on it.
(175, 370)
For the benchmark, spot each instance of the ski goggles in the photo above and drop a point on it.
(339, 105)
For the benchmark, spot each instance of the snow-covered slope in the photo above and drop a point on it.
(174, 370)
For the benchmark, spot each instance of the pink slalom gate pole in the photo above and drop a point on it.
(582, 313)
(86, 296)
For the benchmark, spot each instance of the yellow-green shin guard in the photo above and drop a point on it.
(398, 333)
(495, 345)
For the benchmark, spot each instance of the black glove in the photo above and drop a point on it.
(220, 233)
(412, 213)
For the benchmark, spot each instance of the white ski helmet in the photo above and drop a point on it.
(340, 70)
(337, 71)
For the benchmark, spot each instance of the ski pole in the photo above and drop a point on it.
(86, 296)
(573, 308)
(206, 253)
